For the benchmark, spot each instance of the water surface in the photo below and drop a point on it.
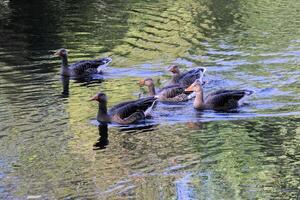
(51, 147)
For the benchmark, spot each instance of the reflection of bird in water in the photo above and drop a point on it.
(65, 81)
(82, 68)
(198, 124)
(124, 113)
(194, 125)
(134, 129)
(103, 139)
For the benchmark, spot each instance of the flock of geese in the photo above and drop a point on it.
(182, 87)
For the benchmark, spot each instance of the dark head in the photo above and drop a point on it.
(61, 53)
(100, 97)
(146, 82)
(174, 69)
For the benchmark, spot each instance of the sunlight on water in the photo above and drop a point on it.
(52, 147)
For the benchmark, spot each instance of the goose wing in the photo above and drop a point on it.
(170, 91)
(189, 77)
(125, 109)
(90, 66)
(138, 115)
(226, 99)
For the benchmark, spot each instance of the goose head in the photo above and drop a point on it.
(174, 69)
(195, 87)
(61, 53)
(146, 82)
(100, 97)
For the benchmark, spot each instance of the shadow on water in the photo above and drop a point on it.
(141, 127)
(83, 82)
(46, 142)
(65, 83)
(103, 141)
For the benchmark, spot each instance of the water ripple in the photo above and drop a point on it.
(47, 140)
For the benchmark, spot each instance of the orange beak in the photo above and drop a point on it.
(56, 53)
(142, 82)
(189, 89)
(94, 98)
(171, 69)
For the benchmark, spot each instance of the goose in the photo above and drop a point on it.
(171, 93)
(187, 78)
(220, 100)
(123, 113)
(82, 68)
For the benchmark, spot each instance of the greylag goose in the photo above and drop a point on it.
(171, 93)
(82, 68)
(221, 100)
(124, 113)
(187, 78)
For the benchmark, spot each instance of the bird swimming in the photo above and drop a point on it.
(187, 78)
(220, 100)
(82, 68)
(126, 112)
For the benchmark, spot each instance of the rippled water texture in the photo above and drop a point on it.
(52, 148)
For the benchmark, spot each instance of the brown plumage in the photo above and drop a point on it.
(187, 78)
(171, 93)
(123, 113)
(221, 100)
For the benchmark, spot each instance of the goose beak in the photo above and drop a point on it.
(141, 82)
(94, 98)
(189, 89)
(171, 69)
(56, 53)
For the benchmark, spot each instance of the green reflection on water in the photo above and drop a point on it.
(47, 141)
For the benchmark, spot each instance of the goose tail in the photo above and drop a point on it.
(248, 92)
(203, 69)
(149, 110)
(104, 64)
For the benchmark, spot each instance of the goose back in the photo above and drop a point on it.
(125, 109)
(225, 99)
(170, 91)
(89, 66)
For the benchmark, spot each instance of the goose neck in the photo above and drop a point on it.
(102, 112)
(151, 90)
(199, 102)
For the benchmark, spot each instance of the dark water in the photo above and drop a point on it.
(50, 147)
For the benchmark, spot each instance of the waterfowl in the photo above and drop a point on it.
(187, 78)
(221, 100)
(171, 93)
(123, 113)
(82, 68)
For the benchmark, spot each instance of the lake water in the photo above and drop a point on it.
(52, 148)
